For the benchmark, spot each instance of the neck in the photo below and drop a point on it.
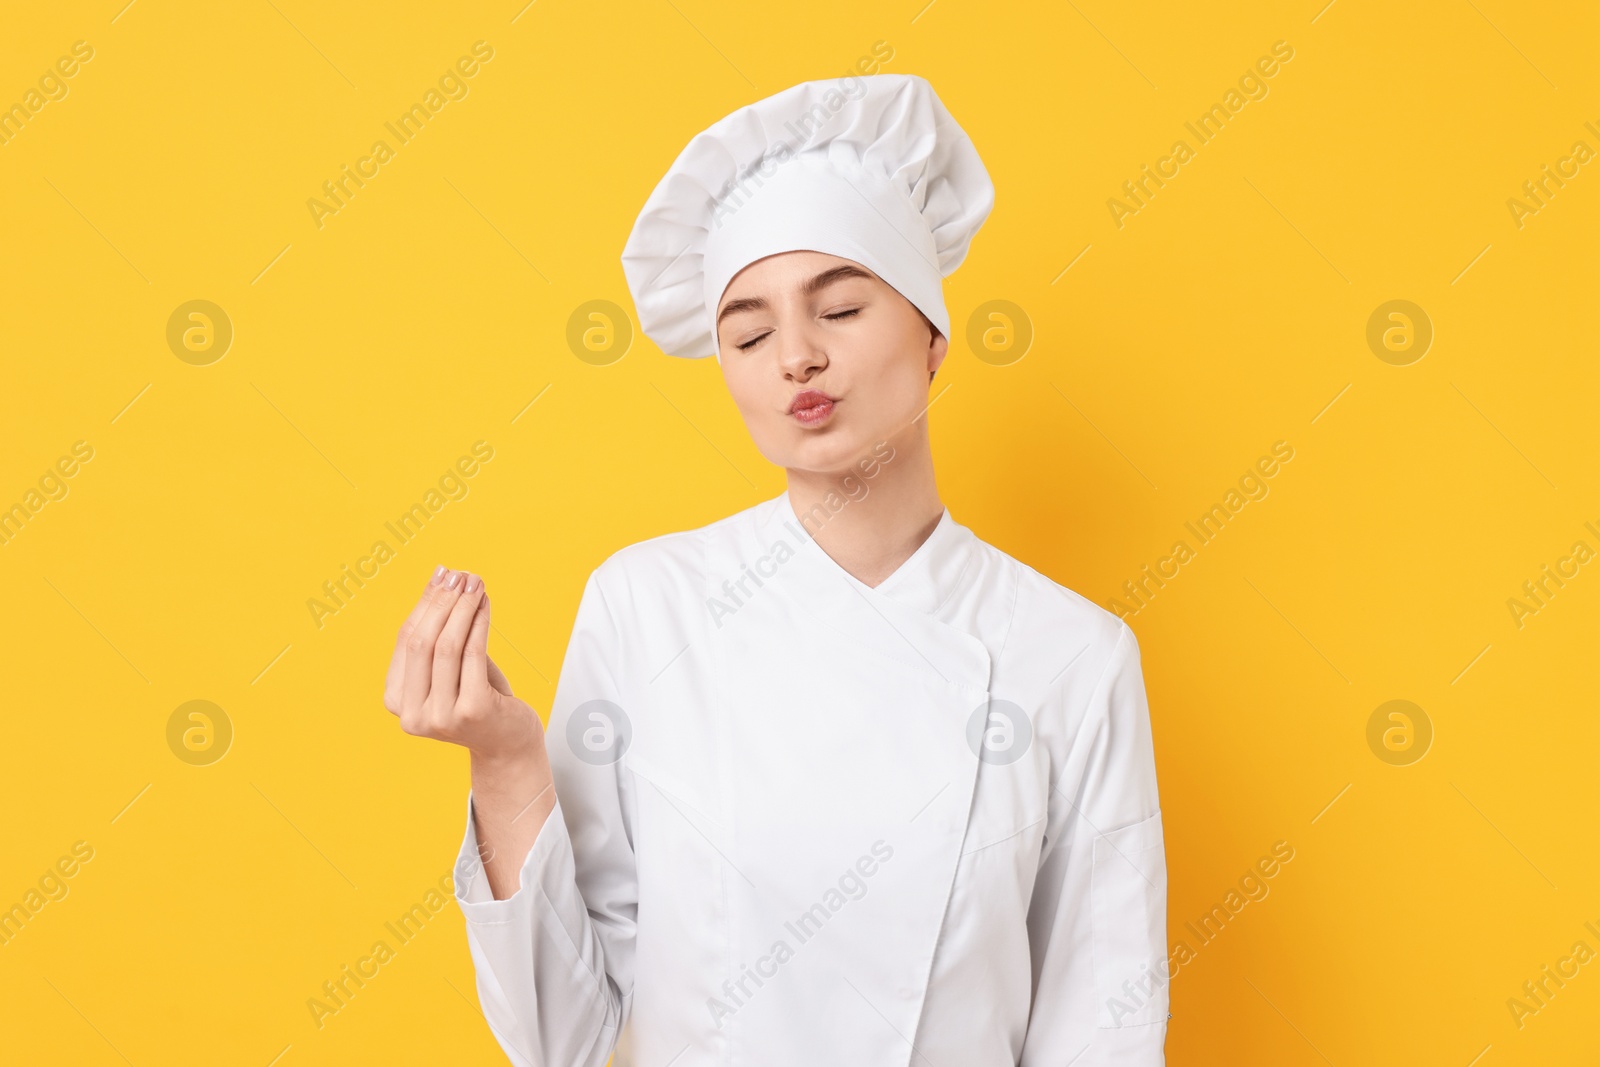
(870, 525)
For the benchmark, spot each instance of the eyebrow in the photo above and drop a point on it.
(811, 286)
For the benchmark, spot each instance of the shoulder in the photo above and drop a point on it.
(1041, 601)
(670, 565)
(1053, 625)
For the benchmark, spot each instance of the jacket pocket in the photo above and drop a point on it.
(1128, 900)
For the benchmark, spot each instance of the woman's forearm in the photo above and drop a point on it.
(512, 795)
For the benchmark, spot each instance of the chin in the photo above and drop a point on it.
(826, 452)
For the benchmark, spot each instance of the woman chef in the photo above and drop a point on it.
(829, 782)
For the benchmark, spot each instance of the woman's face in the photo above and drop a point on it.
(823, 358)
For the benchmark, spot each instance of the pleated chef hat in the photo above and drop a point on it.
(871, 169)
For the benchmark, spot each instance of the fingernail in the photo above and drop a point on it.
(436, 575)
(474, 583)
(452, 581)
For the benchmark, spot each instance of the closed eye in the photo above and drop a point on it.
(837, 316)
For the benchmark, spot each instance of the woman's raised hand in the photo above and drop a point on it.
(442, 683)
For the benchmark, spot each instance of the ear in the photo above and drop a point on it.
(938, 348)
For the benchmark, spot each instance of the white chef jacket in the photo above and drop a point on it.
(804, 821)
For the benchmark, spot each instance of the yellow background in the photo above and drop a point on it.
(369, 354)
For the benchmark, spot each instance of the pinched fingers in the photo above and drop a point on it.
(452, 642)
(394, 680)
(418, 677)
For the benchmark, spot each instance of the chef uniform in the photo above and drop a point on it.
(804, 821)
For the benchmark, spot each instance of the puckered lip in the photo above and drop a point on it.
(809, 398)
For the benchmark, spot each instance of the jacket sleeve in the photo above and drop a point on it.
(1097, 922)
(554, 961)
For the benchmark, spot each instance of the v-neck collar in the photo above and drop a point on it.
(924, 581)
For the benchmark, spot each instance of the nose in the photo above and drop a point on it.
(800, 351)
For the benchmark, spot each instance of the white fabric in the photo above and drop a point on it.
(799, 773)
(872, 169)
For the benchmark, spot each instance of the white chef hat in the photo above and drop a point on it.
(871, 169)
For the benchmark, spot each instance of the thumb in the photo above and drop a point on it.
(497, 680)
